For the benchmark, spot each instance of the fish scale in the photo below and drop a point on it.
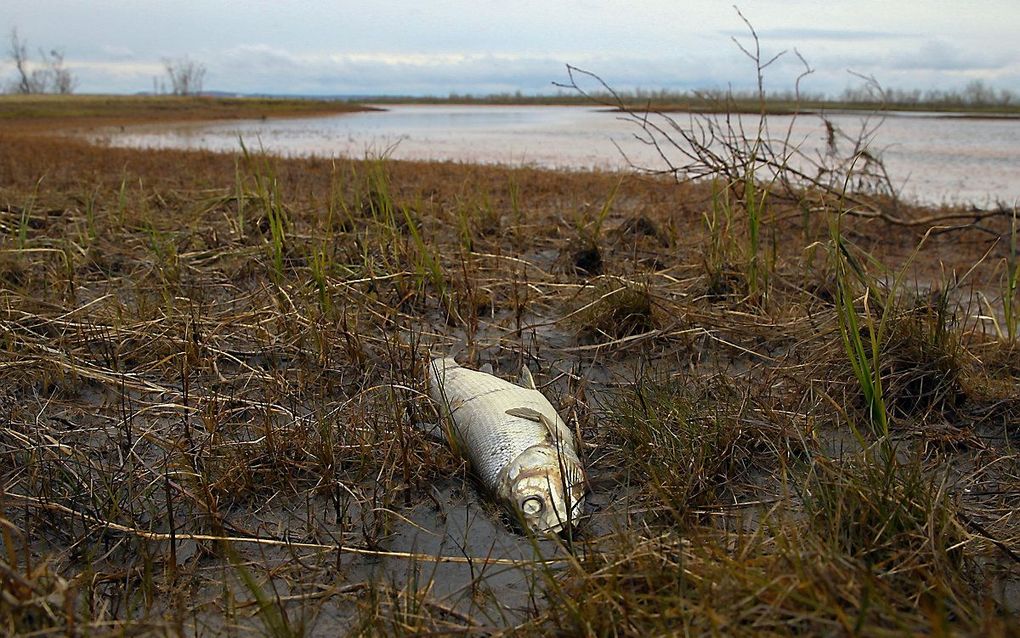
(498, 444)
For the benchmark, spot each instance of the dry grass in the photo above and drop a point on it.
(211, 375)
(40, 111)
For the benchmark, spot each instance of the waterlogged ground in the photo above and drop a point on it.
(931, 158)
(212, 379)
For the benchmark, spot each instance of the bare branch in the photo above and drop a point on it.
(186, 76)
(51, 76)
(19, 55)
(724, 145)
(60, 78)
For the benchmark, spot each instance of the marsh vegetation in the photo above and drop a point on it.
(799, 406)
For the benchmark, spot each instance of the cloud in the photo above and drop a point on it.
(938, 55)
(269, 69)
(117, 70)
(347, 46)
(806, 34)
(260, 68)
(117, 52)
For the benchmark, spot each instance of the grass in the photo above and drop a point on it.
(34, 110)
(197, 347)
(862, 340)
(616, 310)
(1011, 277)
(691, 440)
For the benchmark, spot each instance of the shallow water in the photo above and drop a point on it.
(930, 158)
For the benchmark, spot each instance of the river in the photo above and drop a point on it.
(929, 158)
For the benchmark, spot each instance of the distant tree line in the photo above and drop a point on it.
(976, 94)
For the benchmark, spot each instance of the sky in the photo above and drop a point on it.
(437, 47)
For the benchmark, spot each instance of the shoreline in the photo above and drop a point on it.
(256, 112)
(136, 109)
(38, 113)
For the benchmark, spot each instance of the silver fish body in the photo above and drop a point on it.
(517, 444)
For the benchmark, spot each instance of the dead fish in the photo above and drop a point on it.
(517, 444)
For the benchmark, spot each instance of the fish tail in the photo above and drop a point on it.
(438, 368)
(443, 363)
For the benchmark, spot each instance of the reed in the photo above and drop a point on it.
(1010, 299)
(862, 343)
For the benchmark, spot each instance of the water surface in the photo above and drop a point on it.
(933, 159)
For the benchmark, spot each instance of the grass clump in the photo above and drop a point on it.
(33, 600)
(584, 255)
(889, 515)
(736, 265)
(906, 358)
(692, 439)
(617, 310)
(922, 364)
(784, 580)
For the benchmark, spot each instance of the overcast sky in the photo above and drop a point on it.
(434, 47)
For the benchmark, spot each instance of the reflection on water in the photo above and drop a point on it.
(931, 159)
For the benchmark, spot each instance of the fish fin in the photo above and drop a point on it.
(527, 413)
(536, 416)
(527, 380)
(486, 368)
(550, 426)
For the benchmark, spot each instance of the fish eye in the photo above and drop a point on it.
(532, 505)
